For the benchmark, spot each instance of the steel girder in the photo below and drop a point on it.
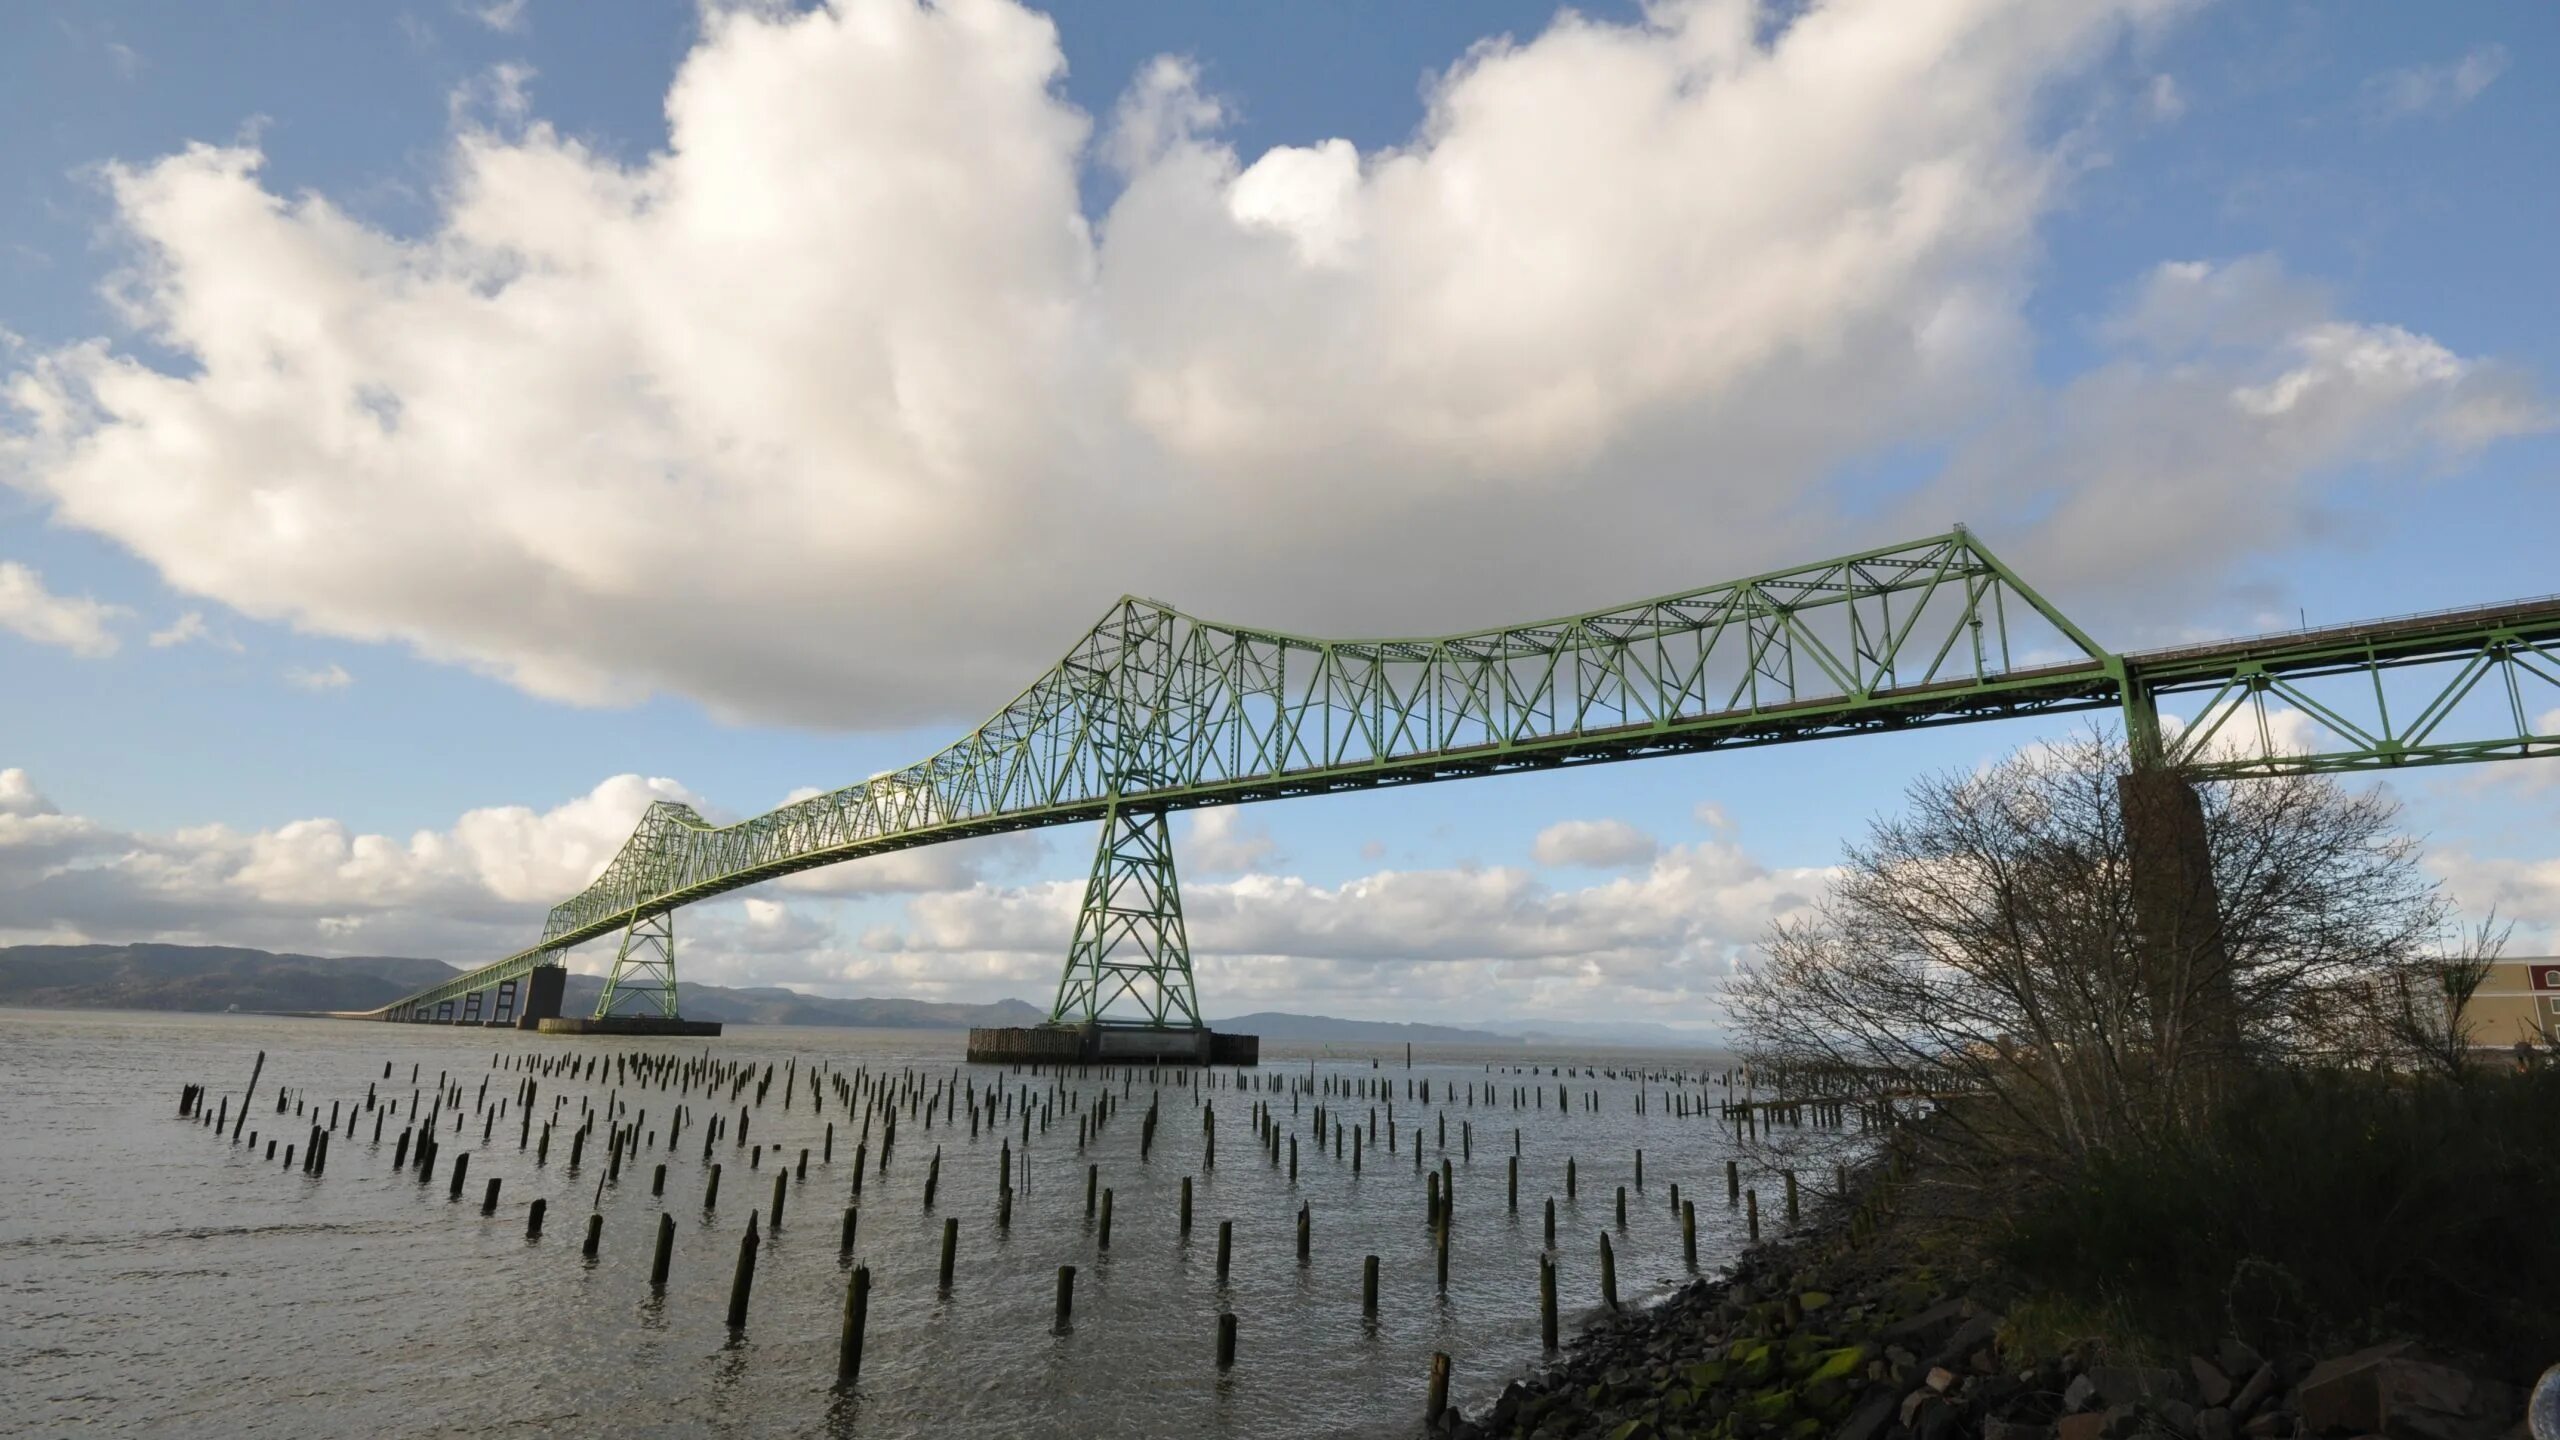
(1158, 710)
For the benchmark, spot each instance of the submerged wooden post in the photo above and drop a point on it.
(1369, 1287)
(742, 1282)
(1226, 1339)
(595, 1235)
(1066, 1296)
(1547, 1301)
(1608, 1272)
(1751, 1206)
(664, 1257)
(1103, 1236)
(857, 1309)
(1436, 1402)
(533, 1219)
(1226, 1244)
(950, 1249)
(1689, 1232)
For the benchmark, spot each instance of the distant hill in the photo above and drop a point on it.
(1643, 1034)
(204, 977)
(217, 977)
(1324, 1029)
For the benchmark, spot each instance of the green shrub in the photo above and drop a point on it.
(2323, 1209)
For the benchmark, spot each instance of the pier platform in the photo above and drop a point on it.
(1109, 1045)
(624, 1025)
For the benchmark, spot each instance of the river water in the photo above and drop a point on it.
(157, 1278)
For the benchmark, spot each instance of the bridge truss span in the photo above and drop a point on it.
(1154, 710)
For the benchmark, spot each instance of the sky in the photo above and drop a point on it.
(429, 434)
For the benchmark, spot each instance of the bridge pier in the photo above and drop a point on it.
(1096, 1044)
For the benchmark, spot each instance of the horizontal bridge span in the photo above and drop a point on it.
(1155, 709)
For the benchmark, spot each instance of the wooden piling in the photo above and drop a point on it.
(780, 1184)
(1102, 1238)
(461, 1167)
(1751, 1206)
(1547, 1301)
(1608, 1272)
(664, 1257)
(1369, 1287)
(533, 1219)
(852, 1220)
(1792, 1211)
(742, 1281)
(658, 1180)
(950, 1250)
(1226, 1340)
(595, 1235)
(1186, 1204)
(711, 1189)
(857, 1310)
(489, 1197)
(1551, 1222)
(1436, 1401)
(1689, 1233)
(1306, 1234)
(1226, 1247)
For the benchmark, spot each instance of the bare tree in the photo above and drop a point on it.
(1990, 943)
(2423, 1009)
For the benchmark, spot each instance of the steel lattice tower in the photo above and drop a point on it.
(1129, 936)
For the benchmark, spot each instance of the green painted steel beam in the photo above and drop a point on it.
(1154, 710)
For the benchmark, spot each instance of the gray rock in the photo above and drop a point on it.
(2214, 1423)
(2081, 1394)
(1965, 1339)
(2213, 1387)
(2180, 1415)
(2237, 1358)
(1869, 1420)
(2135, 1384)
(2261, 1384)
(1927, 1329)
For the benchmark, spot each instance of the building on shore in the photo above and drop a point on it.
(2520, 1000)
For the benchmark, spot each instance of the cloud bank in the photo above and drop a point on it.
(849, 350)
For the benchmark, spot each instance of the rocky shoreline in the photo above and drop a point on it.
(1835, 1331)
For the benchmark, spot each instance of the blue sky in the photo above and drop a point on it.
(1012, 277)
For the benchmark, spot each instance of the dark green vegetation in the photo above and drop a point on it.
(2319, 1211)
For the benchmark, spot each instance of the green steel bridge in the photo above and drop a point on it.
(1154, 711)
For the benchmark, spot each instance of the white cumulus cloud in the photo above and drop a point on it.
(849, 347)
(83, 626)
(1598, 844)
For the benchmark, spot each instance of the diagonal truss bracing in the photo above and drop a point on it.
(1155, 710)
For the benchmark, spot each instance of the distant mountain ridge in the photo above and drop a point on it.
(1325, 1029)
(218, 977)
